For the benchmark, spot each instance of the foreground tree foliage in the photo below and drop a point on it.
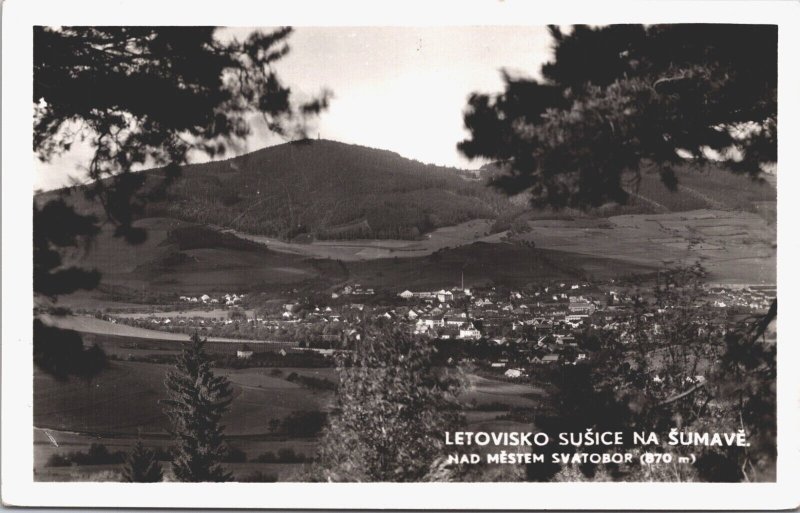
(197, 401)
(393, 408)
(745, 382)
(692, 373)
(616, 101)
(136, 97)
(621, 98)
(61, 353)
(141, 466)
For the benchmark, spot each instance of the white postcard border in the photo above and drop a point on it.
(18, 487)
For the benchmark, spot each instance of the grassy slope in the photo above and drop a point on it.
(160, 266)
(482, 263)
(170, 265)
(160, 339)
(124, 399)
(92, 408)
(709, 187)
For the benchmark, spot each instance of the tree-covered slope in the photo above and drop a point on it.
(329, 190)
(326, 189)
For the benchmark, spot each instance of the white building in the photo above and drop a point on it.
(513, 373)
(444, 296)
(469, 333)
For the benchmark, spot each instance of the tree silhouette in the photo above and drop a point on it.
(141, 466)
(619, 98)
(153, 95)
(142, 96)
(612, 102)
(61, 353)
(57, 226)
(197, 401)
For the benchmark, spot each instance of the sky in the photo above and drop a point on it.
(397, 88)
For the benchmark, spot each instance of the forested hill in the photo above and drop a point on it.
(326, 189)
(329, 190)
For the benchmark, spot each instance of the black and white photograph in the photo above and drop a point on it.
(528, 253)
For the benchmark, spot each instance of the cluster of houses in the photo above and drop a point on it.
(227, 299)
(326, 314)
(249, 323)
(549, 349)
(450, 313)
(751, 297)
(540, 325)
(442, 296)
(354, 289)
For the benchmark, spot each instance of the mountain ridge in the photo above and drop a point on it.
(322, 189)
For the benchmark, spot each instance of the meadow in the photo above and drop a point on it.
(92, 325)
(735, 247)
(476, 230)
(121, 406)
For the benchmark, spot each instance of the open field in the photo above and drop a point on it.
(123, 401)
(124, 398)
(67, 442)
(217, 313)
(124, 347)
(87, 324)
(369, 249)
(484, 391)
(735, 247)
(479, 261)
(121, 406)
(115, 256)
(285, 472)
(165, 264)
(502, 263)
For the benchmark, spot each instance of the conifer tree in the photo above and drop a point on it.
(197, 401)
(141, 466)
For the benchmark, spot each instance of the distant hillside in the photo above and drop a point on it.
(483, 264)
(708, 188)
(325, 189)
(318, 189)
(182, 258)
